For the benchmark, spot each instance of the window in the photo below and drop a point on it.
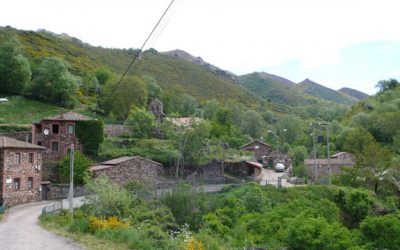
(55, 128)
(30, 158)
(18, 158)
(16, 184)
(30, 182)
(256, 147)
(54, 146)
(71, 129)
(39, 143)
(39, 129)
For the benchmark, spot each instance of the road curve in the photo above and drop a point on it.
(19, 231)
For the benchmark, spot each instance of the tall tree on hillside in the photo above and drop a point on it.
(120, 100)
(253, 124)
(15, 70)
(153, 89)
(387, 84)
(103, 75)
(373, 163)
(290, 127)
(54, 83)
(141, 122)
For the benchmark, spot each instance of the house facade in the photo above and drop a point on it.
(20, 171)
(321, 168)
(260, 149)
(57, 133)
(125, 169)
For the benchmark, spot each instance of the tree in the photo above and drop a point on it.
(387, 84)
(141, 122)
(153, 89)
(355, 140)
(290, 128)
(358, 205)
(316, 233)
(211, 109)
(253, 124)
(81, 168)
(298, 154)
(381, 232)
(90, 85)
(373, 163)
(54, 83)
(119, 100)
(103, 75)
(15, 72)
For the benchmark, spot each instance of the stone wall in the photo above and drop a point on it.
(61, 191)
(212, 171)
(115, 130)
(23, 171)
(137, 168)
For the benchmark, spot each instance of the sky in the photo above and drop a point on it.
(352, 43)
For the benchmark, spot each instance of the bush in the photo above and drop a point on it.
(382, 232)
(358, 204)
(81, 168)
(108, 199)
(110, 223)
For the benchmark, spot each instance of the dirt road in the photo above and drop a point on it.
(19, 231)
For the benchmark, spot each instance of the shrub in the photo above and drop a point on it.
(108, 199)
(382, 232)
(81, 168)
(91, 135)
(358, 204)
(110, 223)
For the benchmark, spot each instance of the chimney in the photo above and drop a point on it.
(62, 113)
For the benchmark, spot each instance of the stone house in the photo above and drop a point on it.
(157, 108)
(125, 169)
(320, 168)
(57, 133)
(20, 171)
(260, 149)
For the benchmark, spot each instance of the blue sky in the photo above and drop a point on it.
(336, 43)
(359, 66)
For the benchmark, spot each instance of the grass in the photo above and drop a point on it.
(21, 110)
(87, 240)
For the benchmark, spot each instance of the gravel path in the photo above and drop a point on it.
(19, 231)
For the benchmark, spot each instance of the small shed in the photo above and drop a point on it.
(260, 149)
(128, 168)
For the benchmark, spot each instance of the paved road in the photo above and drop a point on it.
(270, 177)
(19, 231)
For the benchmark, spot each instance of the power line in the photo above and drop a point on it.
(136, 55)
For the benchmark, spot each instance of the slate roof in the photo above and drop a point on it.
(6, 142)
(69, 116)
(255, 141)
(119, 160)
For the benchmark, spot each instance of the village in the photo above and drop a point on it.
(28, 171)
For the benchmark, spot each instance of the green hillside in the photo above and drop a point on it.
(354, 93)
(322, 92)
(171, 73)
(275, 89)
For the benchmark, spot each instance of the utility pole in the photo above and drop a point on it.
(71, 180)
(314, 152)
(329, 154)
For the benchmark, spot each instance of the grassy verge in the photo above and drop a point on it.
(1, 217)
(51, 223)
